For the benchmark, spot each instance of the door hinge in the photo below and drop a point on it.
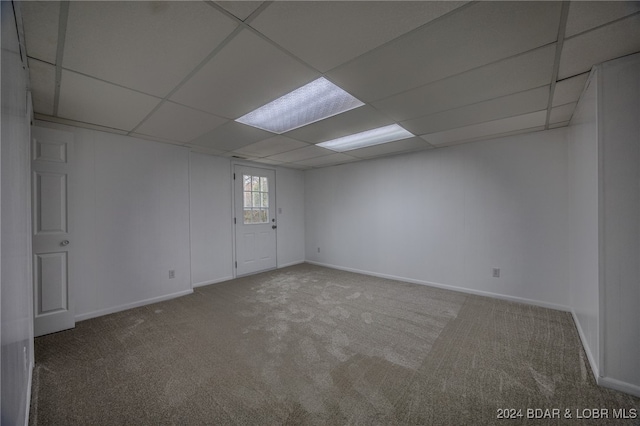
(234, 176)
(234, 220)
(236, 265)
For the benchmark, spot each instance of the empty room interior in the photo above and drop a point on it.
(320, 212)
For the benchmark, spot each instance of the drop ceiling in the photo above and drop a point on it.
(449, 72)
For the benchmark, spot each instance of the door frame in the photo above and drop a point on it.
(234, 214)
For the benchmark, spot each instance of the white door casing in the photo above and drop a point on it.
(52, 238)
(255, 219)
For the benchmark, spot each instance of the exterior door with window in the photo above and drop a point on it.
(255, 219)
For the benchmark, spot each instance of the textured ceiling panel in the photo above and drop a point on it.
(178, 123)
(506, 106)
(271, 146)
(246, 74)
(562, 113)
(476, 35)
(43, 86)
(231, 136)
(147, 46)
(586, 15)
(397, 147)
(533, 69)
(327, 160)
(580, 53)
(301, 154)
(569, 90)
(491, 128)
(354, 121)
(240, 9)
(93, 101)
(326, 34)
(40, 19)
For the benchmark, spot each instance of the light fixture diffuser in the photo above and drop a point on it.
(390, 133)
(312, 102)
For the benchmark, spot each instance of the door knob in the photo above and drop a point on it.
(273, 226)
(64, 243)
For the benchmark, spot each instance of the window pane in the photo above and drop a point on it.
(265, 200)
(263, 216)
(256, 199)
(247, 216)
(247, 199)
(255, 216)
(247, 182)
(255, 183)
(263, 184)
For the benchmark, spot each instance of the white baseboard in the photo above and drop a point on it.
(297, 262)
(114, 309)
(450, 287)
(618, 385)
(583, 338)
(216, 281)
(27, 409)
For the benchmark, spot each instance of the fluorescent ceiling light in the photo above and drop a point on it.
(371, 137)
(313, 102)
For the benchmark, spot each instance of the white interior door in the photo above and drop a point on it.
(52, 240)
(255, 219)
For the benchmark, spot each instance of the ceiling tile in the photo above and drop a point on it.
(147, 46)
(326, 34)
(93, 101)
(204, 149)
(350, 122)
(179, 123)
(522, 72)
(301, 154)
(491, 128)
(580, 53)
(59, 120)
(557, 125)
(272, 146)
(476, 35)
(40, 20)
(506, 106)
(405, 145)
(327, 160)
(240, 9)
(43, 86)
(295, 166)
(231, 136)
(267, 161)
(154, 138)
(562, 113)
(585, 15)
(569, 90)
(234, 81)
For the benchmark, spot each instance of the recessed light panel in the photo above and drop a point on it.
(371, 137)
(313, 102)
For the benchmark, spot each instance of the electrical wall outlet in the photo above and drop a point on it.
(172, 274)
(496, 272)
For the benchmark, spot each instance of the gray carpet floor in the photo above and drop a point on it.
(311, 345)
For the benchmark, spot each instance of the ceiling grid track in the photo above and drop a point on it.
(564, 14)
(62, 32)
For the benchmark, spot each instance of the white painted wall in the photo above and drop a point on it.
(16, 303)
(448, 216)
(130, 213)
(211, 226)
(142, 208)
(584, 297)
(290, 203)
(619, 129)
